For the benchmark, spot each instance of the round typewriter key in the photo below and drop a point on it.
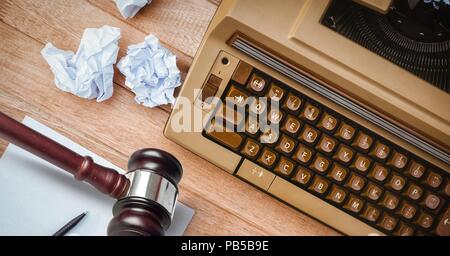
(380, 151)
(373, 192)
(390, 201)
(320, 164)
(303, 154)
(257, 107)
(275, 115)
(344, 154)
(379, 172)
(275, 93)
(251, 148)
(388, 222)
(404, 230)
(434, 180)
(309, 135)
(291, 125)
(363, 141)
(361, 163)
(354, 204)
(371, 213)
(416, 170)
(286, 145)
(407, 210)
(285, 167)
(310, 113)
(396, 182)
(398, 160)
(432, 201)
(337, 194)
(425, 220)
(268, 158)
(303, 176)
(328, 122)
(346, 132)
(327, 144)
(269, 136)
(355, 182)
(252, 127)
(257, 84)
(319, 185)
(414, 192)
(338, 173)
(292, 103)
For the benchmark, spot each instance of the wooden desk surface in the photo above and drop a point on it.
(116, 128)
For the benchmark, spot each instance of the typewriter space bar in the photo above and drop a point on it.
(255, 174)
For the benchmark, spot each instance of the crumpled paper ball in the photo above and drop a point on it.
(88, 73)
(129, 8)
(151, 72)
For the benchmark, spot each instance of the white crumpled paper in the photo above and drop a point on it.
(151, 72)
(129, 8)
(89, 72)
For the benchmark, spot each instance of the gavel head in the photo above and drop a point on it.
(148, 206)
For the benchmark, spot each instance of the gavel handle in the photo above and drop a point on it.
(83, 168)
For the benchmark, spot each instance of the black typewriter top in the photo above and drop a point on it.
(414, 34)
(424, 21)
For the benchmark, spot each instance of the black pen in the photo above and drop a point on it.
(70, 225)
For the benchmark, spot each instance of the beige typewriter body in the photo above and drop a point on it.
(290, 33)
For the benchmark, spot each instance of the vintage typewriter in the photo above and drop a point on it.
(358, 93)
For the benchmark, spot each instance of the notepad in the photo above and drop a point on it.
(38, 198)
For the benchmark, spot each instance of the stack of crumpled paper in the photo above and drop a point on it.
(150, 69)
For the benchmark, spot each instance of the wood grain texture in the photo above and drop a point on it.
(179, 23)
(116, 128)
(215, 2)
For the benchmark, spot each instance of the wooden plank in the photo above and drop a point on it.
(116, 128)
(182, 23)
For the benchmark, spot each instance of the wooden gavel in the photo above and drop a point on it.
(146, 195)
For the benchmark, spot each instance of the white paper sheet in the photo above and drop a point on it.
(37, 198)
